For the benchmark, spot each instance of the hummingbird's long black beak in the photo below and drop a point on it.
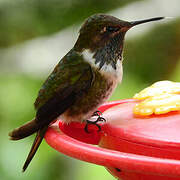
(134, 23)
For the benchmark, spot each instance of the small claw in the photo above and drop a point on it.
(86, 127)
(99, 127)
(101, 119)
(97, 113)
(90, 122)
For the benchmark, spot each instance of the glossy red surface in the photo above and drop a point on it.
(157, 136)
(76, 130)
(127, 144)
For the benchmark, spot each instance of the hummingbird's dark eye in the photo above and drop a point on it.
(112, 29)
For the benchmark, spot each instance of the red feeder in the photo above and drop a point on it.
(131, 147)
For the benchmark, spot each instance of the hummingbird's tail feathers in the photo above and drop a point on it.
(25, 130)
(34, 148)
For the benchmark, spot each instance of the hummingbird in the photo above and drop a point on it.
(83, 79)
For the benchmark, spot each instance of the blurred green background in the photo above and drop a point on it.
(35, 34)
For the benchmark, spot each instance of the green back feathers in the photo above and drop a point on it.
(67, 72)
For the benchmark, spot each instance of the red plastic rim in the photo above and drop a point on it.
(111, 158)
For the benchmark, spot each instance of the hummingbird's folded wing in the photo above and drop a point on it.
(69, 81)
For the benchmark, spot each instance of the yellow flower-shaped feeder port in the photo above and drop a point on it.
(160, 98)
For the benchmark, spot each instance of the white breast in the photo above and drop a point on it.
(106, 69)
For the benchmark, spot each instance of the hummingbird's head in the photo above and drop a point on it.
(103, 35)
(99, 29)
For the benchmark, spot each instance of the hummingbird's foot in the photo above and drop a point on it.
(91, 122)
(97, 113)
(99, 119)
